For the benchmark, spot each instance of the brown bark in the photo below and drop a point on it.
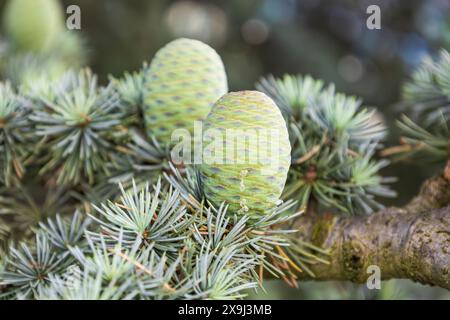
(412, 242)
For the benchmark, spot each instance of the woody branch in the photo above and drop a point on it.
(411, 242)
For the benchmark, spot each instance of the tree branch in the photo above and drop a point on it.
(412, 242)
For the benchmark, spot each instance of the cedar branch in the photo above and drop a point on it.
(412, 242)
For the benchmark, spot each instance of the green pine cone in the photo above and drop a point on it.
(186, 77)
(255, 153)
(33, 25)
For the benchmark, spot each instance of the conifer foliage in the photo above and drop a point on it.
(333, 140)
(92, 206)
(426, 103)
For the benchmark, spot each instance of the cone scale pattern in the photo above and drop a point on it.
(252, 176)
(186, 77)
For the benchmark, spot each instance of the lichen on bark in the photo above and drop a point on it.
(410, 242)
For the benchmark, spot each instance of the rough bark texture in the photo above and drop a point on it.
(411, 242)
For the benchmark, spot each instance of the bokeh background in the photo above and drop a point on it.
(326, 39)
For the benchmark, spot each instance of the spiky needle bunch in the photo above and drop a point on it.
(78, 127)
(14, 134)
(333, 142)
(139, 157)
(426, 98)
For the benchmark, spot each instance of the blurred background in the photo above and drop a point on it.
(326, 39)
